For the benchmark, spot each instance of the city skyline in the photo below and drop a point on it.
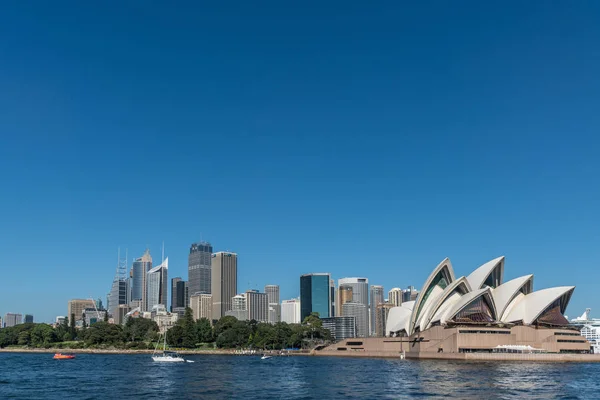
(294, 136)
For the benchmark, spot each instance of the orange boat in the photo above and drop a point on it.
(59, 356)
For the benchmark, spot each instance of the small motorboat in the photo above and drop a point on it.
(60, 356)
(265, 357)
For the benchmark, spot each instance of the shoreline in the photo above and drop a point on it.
(227, 352)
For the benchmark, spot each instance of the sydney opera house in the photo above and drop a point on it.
(479, 313)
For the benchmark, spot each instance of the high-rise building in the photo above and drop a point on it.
(381, 312)
(290, 311)
(360, 294)
(77, 307)
(258, 305)
(315, 295)
(375, 300)
(344, 296)
(28, 319)
(199, 268)
(178, 293)
(360, 313)
(120, 290)
(158, 285)
(224, 282)
(332, 309)
(395, 297)
(11, 319)
(340, 327)
(201, 305)
(409, 294)
(239, 307)
(140, 268)
(272, 292)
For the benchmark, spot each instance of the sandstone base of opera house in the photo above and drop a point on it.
(470, 343)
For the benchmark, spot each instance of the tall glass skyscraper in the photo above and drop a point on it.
(178, 293)
(199, 268)
(224, 282)
(157, 285)
(315, 295)
(141, 266)
(360, 295)
(376, 299)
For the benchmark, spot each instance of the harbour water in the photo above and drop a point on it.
(94, 376)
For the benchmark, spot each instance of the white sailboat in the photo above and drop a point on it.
(166, 356)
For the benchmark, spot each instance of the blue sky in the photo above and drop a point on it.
(346, 137)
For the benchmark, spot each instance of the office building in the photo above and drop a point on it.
(179, 293)
(344, 296)
(395, 296)
(77, 307)
(60, 319)
(93, 315)
(11, 319)
(376, 298)
(409, 294)
(224, 282)
(157, 288)
(290, 311)
(315, 295)
(381, 313)
(340, 327)
(118, 295)
(201, 305)
(239, 307)
(28, 319)
(360, 313)
(332, 308)
(140, 269)
(272, 292)
(199, 268)
(360, 294)
(258, 305)
(119, 314)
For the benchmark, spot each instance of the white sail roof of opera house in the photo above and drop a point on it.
(481, 297)
(508, 291)
(531, 306)
(491, 271)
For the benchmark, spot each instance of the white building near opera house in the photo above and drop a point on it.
(478, 313)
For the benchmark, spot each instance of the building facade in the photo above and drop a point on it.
(340, 327)
(201, 305)
(409, 294)
(359, 312)
(118, 295)
(11, 319)
(360, 294)
(272, 292)
(395, 296)
(178, 293)
(344, 296)
(157, 285)
(381, 312)
(199, 268)
(376, 298)
(315, 295)
(77, 307)
(290, 311)
(224, 282)
(140, 269)
(28, 319)
(258, 305)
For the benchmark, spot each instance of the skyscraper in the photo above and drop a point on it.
(199, 268)
(120, 290)
(344, 296)
(178, 293)
(258, 305)
(78, 306)
(157, 288)
(315, 295)
(28, 319)
(11, 319)
(395, 296)
(272, 292)
(141, 266)
(381, 313)
(224, 282)
(409, 294)
(359, 312)
(360, 294)
(375, 300)
(290, 311)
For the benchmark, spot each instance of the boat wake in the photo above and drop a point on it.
(189, 361)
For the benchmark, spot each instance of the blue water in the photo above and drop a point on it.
(37, 376)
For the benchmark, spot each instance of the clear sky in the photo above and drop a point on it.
(358, 138)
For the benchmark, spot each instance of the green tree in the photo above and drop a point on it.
(224, 324)
(175, 336)
(106, 316)
(204, 331)
(24, 338)
(140, 329)
(42, 335)
(190, 336)
(72, 329)
(103, 333)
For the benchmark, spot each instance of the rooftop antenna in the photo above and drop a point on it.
(163, 251)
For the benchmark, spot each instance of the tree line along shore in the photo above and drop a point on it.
(141, 334)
